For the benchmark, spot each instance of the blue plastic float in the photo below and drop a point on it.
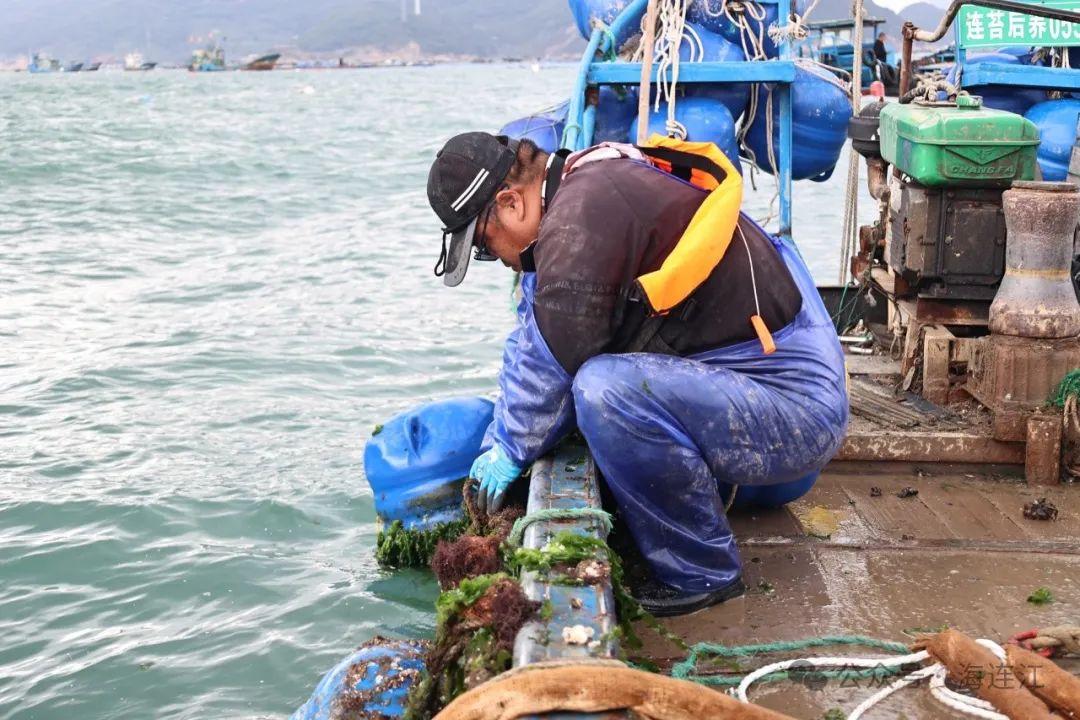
(820, 109)
(1000, 97)
(751, 497)
(705, 119)
(615, 113)
(545, 128)
(1056, 120)
(760, 16)
(587, 12)
(715, 48)
(417, 462)
(381, 674)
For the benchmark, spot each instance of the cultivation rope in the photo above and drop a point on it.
(685, 669)
(517, 532)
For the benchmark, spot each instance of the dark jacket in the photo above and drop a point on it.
(613, 220)
(608, 223)
(880, 51)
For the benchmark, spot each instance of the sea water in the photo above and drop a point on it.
(212, 288)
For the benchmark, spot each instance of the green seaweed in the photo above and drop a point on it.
(399, 547)
(472, 645)
(568, 549)
(452, 602)
(1041, 596)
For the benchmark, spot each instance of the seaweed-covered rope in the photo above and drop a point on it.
(685, 669)
(517, 532)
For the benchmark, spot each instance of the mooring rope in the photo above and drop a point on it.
(849, 231)
(845, 668)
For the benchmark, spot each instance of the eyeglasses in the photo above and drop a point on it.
(480, 238)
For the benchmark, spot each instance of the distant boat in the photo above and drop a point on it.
(42, 63)
(73, 67)
(265, 62)
(208, 59)
(134, 61)
(92, 67)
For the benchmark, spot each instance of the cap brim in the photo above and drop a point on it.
(458, 253)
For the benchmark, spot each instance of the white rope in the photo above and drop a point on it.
(965, 704)
(795, 29)
(895, 685)
(937, 673)
(672, 31)
(753, 677)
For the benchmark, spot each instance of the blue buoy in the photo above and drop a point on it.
(702, 45)
(615, 113)
(416, 463)
(705, 119)
(820, 109)
(760, 15)
(768, 496)
(1000, 97)
(585, 12)
(545, 128)
(374, 682)
(1056, 120)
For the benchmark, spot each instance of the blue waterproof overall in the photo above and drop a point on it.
(668, 433)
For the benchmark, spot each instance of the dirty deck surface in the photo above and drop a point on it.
(841, 561)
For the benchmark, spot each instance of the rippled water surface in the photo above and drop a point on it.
(212, 287)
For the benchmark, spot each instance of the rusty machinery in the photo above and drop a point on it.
(976, 259)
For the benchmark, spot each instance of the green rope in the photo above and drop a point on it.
(1069, 387)
(612, 49)
(736, 680)
(685, 669)
(517, 532)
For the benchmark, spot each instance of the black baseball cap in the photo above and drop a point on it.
(466, 175)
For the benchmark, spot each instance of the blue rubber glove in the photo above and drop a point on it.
(495, 471)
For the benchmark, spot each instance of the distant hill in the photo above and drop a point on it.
(167, 30)
(923, 14)
(163, 29)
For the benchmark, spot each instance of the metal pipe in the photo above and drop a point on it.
(877, 177)
(576, 113)
(912, 33)
(783, 91)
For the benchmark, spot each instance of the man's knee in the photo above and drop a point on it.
(600, 385)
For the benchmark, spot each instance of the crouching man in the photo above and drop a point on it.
(688, 346)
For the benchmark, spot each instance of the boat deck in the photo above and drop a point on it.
(918, 524)
(844, 560)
